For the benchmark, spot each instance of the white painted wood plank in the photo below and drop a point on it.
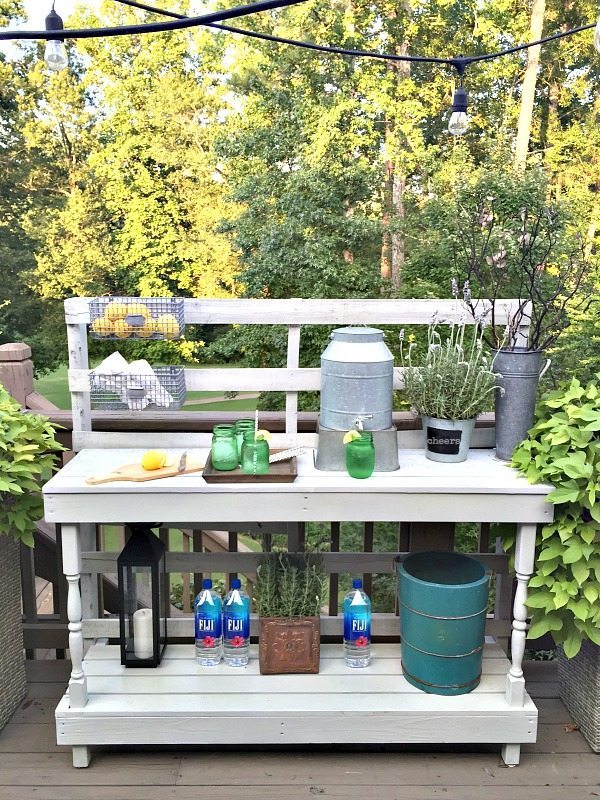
(293, 361)
(78, 359)
(207, 703)
(257, 687)
(275, 379)
(110, 653)
(310, 312)
(383, 625)
(344, 505)
(227, 679)
(110, 440)
(226, 380)
(480, 473)
(341, 726)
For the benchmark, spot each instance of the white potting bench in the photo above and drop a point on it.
(182, 703)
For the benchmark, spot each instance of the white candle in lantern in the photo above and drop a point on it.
(143, 640)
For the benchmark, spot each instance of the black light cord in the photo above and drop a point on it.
(180, 22)
(296, 43)
(152, 27)
(459, 63)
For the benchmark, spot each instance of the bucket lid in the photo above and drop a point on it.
(357, 334)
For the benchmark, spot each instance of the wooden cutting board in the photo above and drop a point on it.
(135, 472)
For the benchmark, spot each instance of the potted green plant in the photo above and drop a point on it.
(563, 449)
(452, 385)
(27, 457)
(287, 596)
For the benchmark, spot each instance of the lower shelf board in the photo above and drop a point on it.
(182, 703)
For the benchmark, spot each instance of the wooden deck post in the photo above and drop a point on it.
(16, 370)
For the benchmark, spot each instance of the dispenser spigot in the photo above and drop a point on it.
(358, 422)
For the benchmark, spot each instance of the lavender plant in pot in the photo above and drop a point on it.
(449, 389)
(530, 254)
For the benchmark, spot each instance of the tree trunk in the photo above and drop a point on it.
(393, 250)
(529, 83)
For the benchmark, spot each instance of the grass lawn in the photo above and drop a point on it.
(248, 404)
(55, 387)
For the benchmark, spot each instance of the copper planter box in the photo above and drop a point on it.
(289, 645)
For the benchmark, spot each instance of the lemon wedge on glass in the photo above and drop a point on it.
(350, 436)
(263, 434)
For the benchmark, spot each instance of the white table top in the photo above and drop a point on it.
(481, 488)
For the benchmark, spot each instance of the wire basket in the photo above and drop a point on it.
(164, 390)
(136, 318)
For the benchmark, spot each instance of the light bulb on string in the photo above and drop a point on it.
(597, 36)
(458, 120)
(55, 54)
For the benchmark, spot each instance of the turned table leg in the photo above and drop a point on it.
(71, 554)
(515, 682)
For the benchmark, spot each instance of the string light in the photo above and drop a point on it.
(458, 119)
(458, 123)
(55, 54)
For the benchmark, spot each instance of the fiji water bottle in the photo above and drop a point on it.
(357, 626)
(208, 626)
(236, 625)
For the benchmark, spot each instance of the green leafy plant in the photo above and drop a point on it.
(288, 585)
(455, 380)
(27, 457)
(563, 449)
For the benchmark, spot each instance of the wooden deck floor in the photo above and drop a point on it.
(559, 765)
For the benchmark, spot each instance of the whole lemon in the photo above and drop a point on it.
(154, 459)
(122, 329)
(103, 326)
(138, 309)
(168, 325)
(115, 310)
(146, 330)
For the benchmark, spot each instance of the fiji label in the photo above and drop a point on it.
(443, 441)
(357, 629)
(235, 628)
(208, 626)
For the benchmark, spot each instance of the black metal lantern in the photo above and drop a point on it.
(143, 599)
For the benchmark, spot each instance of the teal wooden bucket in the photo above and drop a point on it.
(443, 603)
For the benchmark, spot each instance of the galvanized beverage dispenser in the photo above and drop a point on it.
(357, 372)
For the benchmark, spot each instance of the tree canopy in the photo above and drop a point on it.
(201, 163)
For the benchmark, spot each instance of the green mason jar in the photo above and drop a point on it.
(255, 455)
(242, 425)
(223, 448)
(360, 456)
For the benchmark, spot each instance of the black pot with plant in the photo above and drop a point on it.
(449, 387)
